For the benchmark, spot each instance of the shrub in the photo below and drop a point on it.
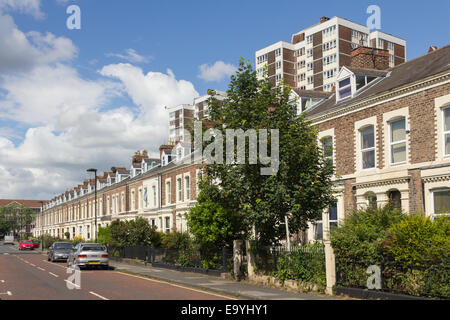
(360, 237)
(419, 241)
(417, 251)
(104, 236)
(177, 240)
(78, 239)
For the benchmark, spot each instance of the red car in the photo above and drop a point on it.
(26, 244)
(36, 244)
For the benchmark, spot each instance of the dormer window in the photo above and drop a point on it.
(345, 88)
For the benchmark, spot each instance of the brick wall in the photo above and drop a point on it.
(421, 139)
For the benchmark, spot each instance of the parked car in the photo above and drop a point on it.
(8, 240)
(36, 244)
(26, 245)
(59, 251)
(89, 254)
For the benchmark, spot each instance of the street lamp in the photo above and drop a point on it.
(42, 224)
(95, 199)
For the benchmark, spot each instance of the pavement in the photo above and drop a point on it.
(238, 290)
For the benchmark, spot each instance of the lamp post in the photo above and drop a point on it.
(42, 224)
(95, 199)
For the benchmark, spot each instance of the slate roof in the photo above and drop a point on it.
(409, 72)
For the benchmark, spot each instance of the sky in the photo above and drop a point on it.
(74, 99)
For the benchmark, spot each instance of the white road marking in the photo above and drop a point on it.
(8, 293)
(71, 283)
(54, 275)
(33, 265)
(41, 269)
(97, 295)
(6, 254)
(2, 281)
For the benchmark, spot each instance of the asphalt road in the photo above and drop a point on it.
(29, 276)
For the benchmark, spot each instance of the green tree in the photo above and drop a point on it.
(104, 236)
(214, 225)
(14, 217)
(301, 188)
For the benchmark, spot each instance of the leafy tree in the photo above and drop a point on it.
(212, 224)
(301, 189)
(14, 217)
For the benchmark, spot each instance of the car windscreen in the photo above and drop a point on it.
(93, 248)
(27, 242)
(63, 246)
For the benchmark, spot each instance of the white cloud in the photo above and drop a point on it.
(131, 56)
(216, 72)
(22, 52)
(67, 129)
(32, 7)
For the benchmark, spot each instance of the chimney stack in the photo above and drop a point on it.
(432, 48)
(370, 58)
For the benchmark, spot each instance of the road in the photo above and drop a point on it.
(29, 276)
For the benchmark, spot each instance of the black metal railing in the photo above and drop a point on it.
(419, 280)
(206, 261)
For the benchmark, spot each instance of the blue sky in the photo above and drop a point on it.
(73, 99)
(182, 35)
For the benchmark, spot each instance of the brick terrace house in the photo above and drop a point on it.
(386, 130)
(388, 134)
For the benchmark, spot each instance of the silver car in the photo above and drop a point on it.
(87, 255)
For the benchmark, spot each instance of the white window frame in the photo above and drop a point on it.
(444, 133)
(168, 194)
(359, 126)
(187, 187)
(328, 133)
(179, 188)
(392, 144)
(155, 196)
(133, 199)
(389, 117)
(433, 212)
(370, 149)
(278, 52)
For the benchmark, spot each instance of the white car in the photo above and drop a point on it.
(9, 240)
(89, 254)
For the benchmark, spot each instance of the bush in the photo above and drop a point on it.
(104, 236)
(362, 233)
(177, 240)
(417, 251)
(419, 241)
(78, 239)
(412, 251)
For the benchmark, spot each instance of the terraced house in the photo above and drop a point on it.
(385, 129)
(388, 134)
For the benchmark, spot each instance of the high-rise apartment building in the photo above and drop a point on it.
(201, 104)
(180, 117)
(313, 58)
